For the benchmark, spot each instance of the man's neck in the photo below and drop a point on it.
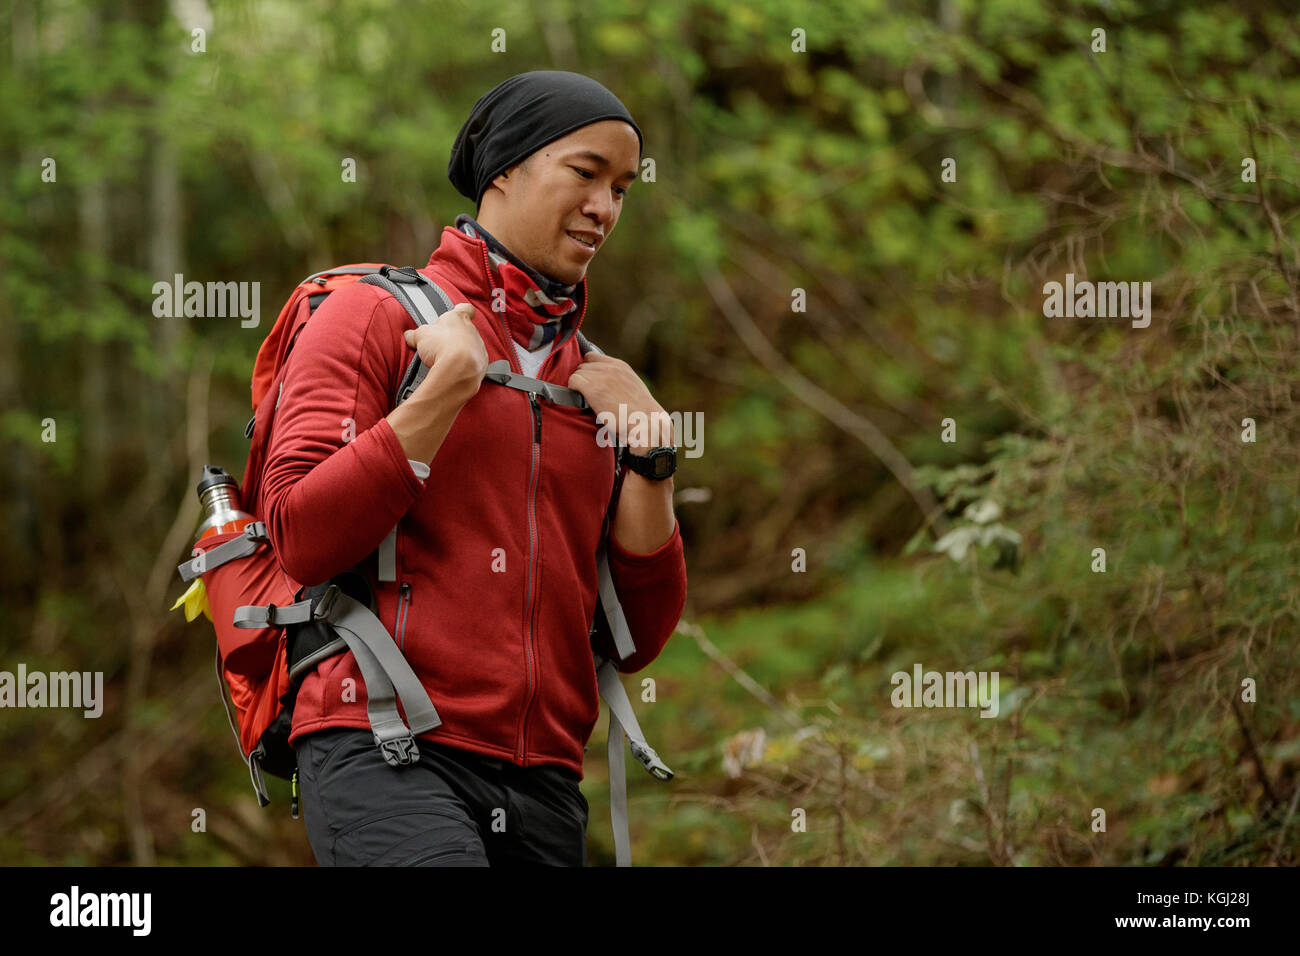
(548, 284)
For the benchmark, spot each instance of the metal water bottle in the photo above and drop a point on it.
(219, 502)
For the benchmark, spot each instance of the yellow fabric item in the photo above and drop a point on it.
(195, 600)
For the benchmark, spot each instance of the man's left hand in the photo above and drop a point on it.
(606, 383)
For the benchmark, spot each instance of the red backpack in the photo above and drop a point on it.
(272, 631)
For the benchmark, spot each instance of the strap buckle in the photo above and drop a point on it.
(650, 760)
(400, 751)
(498, 372)
(562, 395)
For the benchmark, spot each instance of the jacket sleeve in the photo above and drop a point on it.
(336, 479)
(652, 590)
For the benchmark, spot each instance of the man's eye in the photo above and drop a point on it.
(590, 175)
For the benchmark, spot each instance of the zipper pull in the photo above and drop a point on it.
(403, 606)
(293, 803)
(537, 418)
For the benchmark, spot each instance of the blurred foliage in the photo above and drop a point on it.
(776, 170)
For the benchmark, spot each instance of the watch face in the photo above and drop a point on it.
(663, 465)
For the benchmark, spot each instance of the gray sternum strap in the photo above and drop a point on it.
(623, 643)
(499, 372)
(623, 722)
(387, 675)
(253, 537)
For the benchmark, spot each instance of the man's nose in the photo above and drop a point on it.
(600, 205)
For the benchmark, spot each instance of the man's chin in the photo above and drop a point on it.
(562, 276)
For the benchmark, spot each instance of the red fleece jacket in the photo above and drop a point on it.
(496, 549)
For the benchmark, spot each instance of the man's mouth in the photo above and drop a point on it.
(587, 239)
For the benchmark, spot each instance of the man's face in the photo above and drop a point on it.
(574, 185)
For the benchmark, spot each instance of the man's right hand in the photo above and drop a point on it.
(452, 349)
(457, 360)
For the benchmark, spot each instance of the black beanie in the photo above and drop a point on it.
(521, 115)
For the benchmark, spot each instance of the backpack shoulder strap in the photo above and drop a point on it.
(424, 301)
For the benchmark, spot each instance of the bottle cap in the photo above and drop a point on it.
(213, 476)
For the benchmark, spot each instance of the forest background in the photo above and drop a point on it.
(840, 263)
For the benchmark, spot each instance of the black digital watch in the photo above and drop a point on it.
(659, 464)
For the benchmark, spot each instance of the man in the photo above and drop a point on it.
(500, 498)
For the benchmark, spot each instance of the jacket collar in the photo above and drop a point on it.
(539, 309)
(554, 288)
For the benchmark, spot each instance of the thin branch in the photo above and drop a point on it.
(1253, 753)
(807, 392)
(741, 678)
(753, 839)
(1290, 812)
(991, 822)
(1279, 240)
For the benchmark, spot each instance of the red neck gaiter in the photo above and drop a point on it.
(552, 305)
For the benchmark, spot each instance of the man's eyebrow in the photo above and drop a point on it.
(600, 160)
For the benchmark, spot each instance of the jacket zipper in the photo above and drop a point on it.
(403, 605)
(516, 361)
(532, 553)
